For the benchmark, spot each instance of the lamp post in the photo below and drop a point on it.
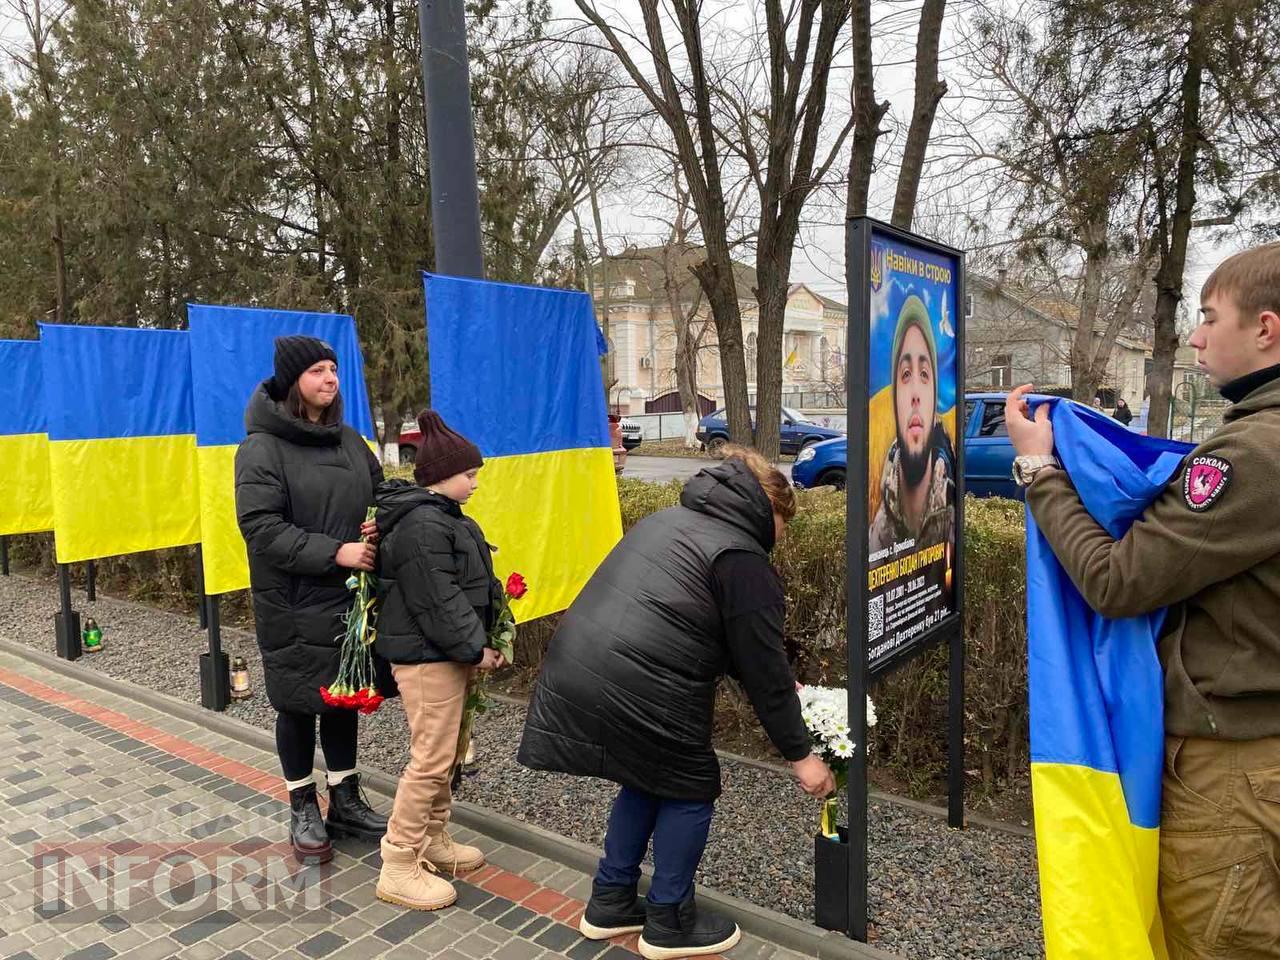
(446, 83)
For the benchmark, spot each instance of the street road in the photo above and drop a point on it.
(663, 469)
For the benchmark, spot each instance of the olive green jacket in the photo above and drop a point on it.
(1208, 548)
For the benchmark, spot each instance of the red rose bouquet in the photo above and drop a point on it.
(354, 687)
(502, 637)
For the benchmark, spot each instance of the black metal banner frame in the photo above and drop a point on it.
(858, 234)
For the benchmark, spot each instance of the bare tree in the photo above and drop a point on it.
(592, 134)
(786, 172)
(929, 92)
(867, 113)
(690, 324)
(701, 164)
(757, 106)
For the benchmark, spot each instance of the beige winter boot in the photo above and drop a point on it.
(443, 853)
(405, 881)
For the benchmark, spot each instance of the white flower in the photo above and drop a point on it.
(825, 711)
(843, 748)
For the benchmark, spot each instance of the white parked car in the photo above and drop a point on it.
(630, 434)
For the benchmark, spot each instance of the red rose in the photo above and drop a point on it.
(516, 587)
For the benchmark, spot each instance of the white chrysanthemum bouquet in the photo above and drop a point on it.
(826, 715)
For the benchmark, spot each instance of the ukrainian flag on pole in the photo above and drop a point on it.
(232, 351)
(1097, 710)
(121, 439)
(516, 370)
(26, 503)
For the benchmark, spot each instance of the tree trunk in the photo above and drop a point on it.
(687, 383)
(686, 345)
(166, 279)
(867, 113)
(53, 133)
(771, 295)
(1173, 254)
(389, 435)
(313, 110)
(929, 93)
(603, 251)
(718, 284)
(1084, 377)
(63, 309)
(789, 179)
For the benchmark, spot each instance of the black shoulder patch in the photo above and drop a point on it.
(1203, 481)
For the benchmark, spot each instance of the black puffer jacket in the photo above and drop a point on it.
(437, 593)
(628, 687)
(302, 490)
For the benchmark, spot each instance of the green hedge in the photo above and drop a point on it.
(908, 743)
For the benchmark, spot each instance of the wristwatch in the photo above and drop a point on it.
(1025, 469)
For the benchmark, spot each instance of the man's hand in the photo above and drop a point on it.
(1030, 438)
(814, 776)
(491, 659)
(356, 556)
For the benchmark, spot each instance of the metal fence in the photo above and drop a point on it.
(658, 426)
(670, 426)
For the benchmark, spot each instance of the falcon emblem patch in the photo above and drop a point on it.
(1204, 480)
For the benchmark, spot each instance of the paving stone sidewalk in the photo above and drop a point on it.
(126, 832)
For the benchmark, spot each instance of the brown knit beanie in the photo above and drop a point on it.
(442, 453)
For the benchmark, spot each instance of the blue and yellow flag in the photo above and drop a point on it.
(232, 350)
(1097, 712)
(26, 504)
(517, 371)
(121, 440)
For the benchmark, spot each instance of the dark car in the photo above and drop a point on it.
(796, 432)
(988, 454)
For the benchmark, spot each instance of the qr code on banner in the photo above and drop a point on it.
(875, 618)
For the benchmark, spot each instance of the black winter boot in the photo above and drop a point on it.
(307, 834)
(350, 814)
(682, 930)
(611, 912)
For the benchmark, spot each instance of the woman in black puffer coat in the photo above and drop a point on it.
(304, 483)
(627, 692)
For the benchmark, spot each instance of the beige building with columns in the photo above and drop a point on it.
(644, 288)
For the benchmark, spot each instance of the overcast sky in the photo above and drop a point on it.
(819, 261)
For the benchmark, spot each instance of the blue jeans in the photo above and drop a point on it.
(679, 830)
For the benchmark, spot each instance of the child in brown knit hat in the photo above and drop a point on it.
(438, 600)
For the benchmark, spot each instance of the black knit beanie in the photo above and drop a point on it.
(442, 453)
(294, 357)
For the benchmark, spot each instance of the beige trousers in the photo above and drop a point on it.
(433, 696)
(1220, 848)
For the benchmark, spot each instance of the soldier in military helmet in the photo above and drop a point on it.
(917, 482)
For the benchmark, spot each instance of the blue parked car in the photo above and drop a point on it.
(988, 454)
(796, 433)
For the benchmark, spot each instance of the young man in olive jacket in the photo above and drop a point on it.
(1208, 549)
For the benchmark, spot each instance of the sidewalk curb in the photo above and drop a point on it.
(784, 931)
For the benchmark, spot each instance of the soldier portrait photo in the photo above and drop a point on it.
(917, 480)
